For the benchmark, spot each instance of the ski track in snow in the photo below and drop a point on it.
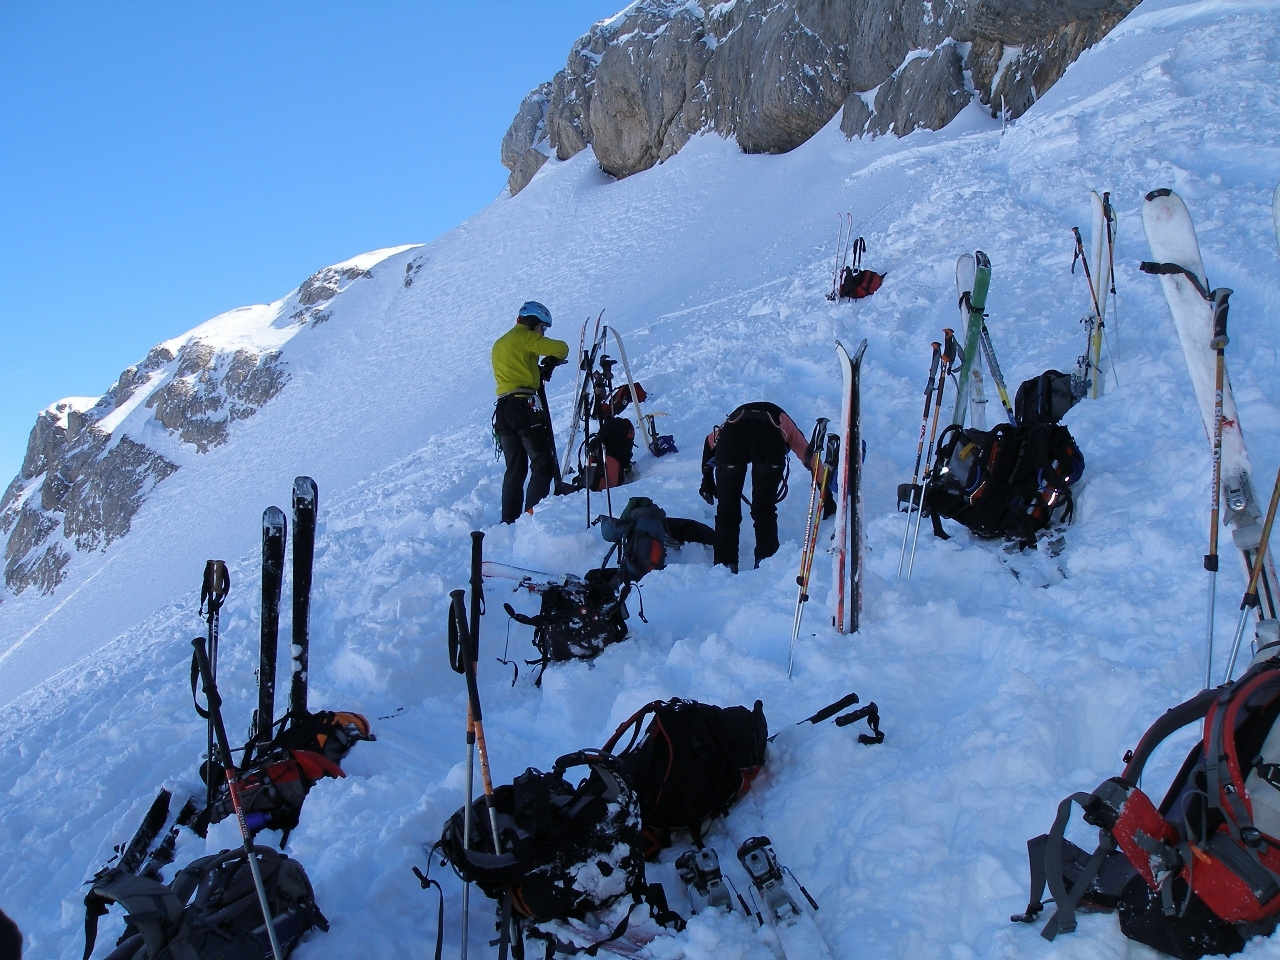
(998, 698)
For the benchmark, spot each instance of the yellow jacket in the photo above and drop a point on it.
(515, 358)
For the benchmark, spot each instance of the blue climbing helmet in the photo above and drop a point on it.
(533, 308)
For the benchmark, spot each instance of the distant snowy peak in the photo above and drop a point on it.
(91, 461)
(772, 73)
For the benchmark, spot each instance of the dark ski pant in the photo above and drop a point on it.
(525, 437)
(758, 444)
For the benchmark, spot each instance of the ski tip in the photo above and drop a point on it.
(1158, 194)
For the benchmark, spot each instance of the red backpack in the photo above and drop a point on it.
(1200, 873)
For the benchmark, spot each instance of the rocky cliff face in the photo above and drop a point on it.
(86, 472)
(772, 73)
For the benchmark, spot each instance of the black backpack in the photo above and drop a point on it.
(210, 911)
(691, 762)
(1044, 399)
(578, 619)
(566, 850)
(640, 537)
(616, 438)
(1006, 482)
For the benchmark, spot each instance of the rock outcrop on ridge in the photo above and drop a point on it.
(772, 73)
(87, 469)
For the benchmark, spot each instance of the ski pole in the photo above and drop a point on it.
(477, 605)
(1218, 344)
(1095, 322)
(949, 351)
(1109, 218)
(213, 591)
(458, 622)
(835, 277)
(816, 442)
(993, 366)
(1251, 591)
(233, 788)
(915, 473)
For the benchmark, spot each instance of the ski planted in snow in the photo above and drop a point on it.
(973, 280)
(657, 445)
(582, 393)
(1176, 261)
(306, 498)
(848, 534)
(273, 538)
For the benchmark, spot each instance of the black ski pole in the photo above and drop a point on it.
(1250, 600)
(467, 652)
(1219, 345)
(213, 591)
(913, 492)
(233, 788)
(949, 351)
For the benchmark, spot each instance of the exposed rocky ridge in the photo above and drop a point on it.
(772, 73)
(83, 478)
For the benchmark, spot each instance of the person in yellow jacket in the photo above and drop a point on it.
(522, 425)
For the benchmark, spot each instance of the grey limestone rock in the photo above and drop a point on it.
(771, 73)
(928, 92)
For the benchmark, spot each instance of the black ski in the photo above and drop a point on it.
(163, 855)
(273, 537)
(305, 503)
(135, 852)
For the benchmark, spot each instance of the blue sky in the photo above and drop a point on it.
(161, 163)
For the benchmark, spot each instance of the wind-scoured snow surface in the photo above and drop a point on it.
(998, 697)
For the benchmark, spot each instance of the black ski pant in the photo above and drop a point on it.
(756, 443)
(525, 435)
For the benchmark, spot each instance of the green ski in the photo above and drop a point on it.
(973, 279)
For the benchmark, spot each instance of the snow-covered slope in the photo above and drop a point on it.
(998, 697)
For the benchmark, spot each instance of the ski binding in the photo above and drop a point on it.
(700, 871)
(761, 863)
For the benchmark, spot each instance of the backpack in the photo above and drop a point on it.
(272, 791)
(1200, 873)
(328, 733)
(1006, 482)
(615, 440)
(210, 910)
(578, 619)
(691, 762)
(566, 850)
(854, 285)
(640, 537)
(1044, 399)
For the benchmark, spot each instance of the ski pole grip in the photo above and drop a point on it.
(1220, 297)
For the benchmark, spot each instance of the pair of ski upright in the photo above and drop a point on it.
(274, 536)
(1098, 266)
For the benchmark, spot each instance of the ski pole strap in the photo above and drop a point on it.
(195, 679)
(1035, 861)
(215, 586)
(456, 659)
(1175, 269)
(427, 882)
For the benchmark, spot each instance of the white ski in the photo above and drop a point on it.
(1176, 256)
(631, 385)
(532, 580)
(1100, 260)
(848, 529)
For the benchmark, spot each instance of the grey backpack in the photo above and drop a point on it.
(210, 911)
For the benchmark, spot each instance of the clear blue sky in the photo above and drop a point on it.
(161, 163)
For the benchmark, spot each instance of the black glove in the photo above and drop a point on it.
(546, 365)
(708, 489)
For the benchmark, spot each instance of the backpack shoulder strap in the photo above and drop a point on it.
(152, 907)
